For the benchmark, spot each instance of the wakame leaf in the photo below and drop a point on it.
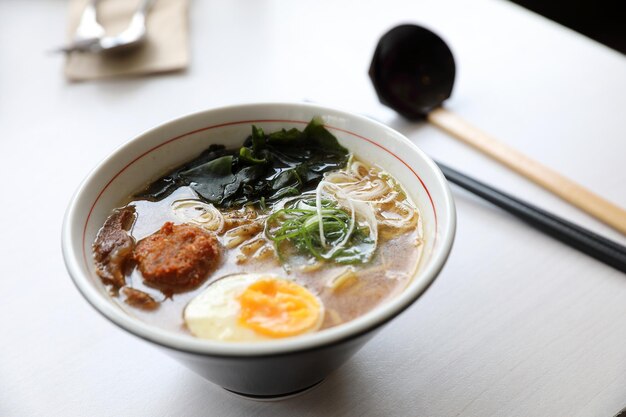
(160, 188)
(167, 184)
(268, 167)
(287, 178)
(246, 155)
(210, 179)
(316, 133)
(284, 137)
(284, 192)
(360, 249)
(258, 139)
(216, 168)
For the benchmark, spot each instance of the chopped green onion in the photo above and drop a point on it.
(295, 229)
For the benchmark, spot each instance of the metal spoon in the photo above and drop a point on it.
(413, 72)
(131, 37)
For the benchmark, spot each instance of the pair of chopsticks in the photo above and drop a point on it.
(594, 245)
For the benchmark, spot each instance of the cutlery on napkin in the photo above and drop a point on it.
(165, 49)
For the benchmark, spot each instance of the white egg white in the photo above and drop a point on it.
(214, 313)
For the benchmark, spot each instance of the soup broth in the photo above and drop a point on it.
(370, 258)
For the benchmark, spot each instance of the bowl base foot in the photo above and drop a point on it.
(277, 397)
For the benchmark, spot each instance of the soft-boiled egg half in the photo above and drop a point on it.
(253, 307)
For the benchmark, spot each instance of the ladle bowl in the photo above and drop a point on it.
(412, 71)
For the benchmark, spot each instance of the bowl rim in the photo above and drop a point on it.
(335, 335)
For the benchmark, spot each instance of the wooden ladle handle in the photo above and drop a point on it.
(549, 179)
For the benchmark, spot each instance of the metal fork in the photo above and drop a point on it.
(88, 30)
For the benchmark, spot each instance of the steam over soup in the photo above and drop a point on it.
(287, 235)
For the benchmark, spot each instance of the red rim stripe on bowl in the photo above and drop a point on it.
(248, 122)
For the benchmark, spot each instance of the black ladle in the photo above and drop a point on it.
(413, 73)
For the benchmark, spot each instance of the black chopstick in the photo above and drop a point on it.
(601, 248)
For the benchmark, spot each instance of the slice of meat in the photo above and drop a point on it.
(177, 257)
(114, 247)
(139, 299)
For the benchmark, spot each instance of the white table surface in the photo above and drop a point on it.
(517, 324)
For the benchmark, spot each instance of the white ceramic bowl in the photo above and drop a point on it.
(282, 366)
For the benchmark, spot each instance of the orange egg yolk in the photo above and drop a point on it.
(278, 308)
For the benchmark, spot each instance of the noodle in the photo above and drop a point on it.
(199, 213)
(358, 183)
